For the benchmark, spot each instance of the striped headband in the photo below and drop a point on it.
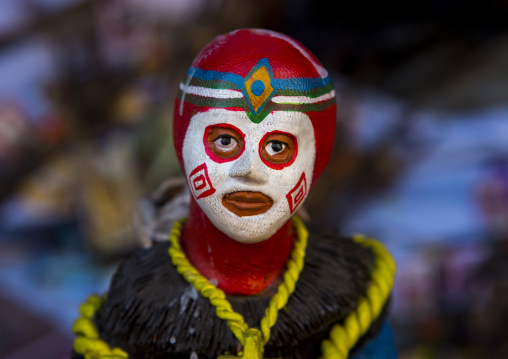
(258, 93)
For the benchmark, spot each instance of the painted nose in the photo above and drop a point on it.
(249, 167)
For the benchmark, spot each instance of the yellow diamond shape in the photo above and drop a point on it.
(262, 75)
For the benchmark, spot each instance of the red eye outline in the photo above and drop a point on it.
(209, 151)
(278, 166)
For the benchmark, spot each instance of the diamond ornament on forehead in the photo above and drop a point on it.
(257, 88)
(258, 93)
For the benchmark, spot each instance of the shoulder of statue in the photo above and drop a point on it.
(336, 258)
(336, 275)
(358, 273)
(150, 305)
(146, 270)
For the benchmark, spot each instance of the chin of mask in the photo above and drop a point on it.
(249, 178)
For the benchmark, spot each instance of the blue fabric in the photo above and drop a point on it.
(381, 347)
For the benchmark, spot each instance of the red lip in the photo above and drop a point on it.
(244, 203)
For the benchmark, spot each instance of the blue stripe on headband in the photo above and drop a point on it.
(295, 83)
(211, 75)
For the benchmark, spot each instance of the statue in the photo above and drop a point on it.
(242, 275)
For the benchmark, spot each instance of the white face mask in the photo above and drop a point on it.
(218, 168)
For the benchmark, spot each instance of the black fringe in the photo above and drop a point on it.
(153, 313)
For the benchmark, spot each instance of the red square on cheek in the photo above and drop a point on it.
(200, 183)
(297, 194)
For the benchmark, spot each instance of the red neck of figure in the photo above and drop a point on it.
(237, 267)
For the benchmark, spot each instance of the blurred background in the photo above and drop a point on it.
(420, 162)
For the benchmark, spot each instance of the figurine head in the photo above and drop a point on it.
(254, 124)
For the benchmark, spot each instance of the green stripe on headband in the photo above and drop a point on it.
(255, 93)
(256, 118)
(213, 84)
(312, 93)
(224, 85)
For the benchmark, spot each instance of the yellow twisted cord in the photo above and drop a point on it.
(87, 342)
(287, 287)
(344, 337)
(218, 298)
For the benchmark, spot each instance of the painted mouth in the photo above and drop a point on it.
(245, 203)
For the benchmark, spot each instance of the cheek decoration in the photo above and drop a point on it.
(297, 194)
(200, 183)
(223, 142)
(278, 149)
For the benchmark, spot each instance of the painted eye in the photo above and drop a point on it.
(278, 149)
(223, 142)
(274, 147)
